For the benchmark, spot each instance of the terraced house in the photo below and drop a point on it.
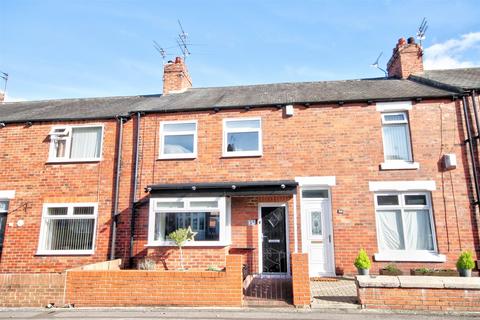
(262, 171)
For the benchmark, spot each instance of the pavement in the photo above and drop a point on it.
(338, 293)
(220, 314)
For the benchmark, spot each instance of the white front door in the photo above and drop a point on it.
(317, 232)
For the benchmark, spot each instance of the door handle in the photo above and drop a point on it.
(330, 238)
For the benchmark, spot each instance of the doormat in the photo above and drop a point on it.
(325, 279)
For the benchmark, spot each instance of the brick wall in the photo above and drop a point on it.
(300, 280)
(318, 141)
(420, 293)
(23, 157)
(31, 290)
(155, 288)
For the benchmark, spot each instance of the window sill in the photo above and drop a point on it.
(191, 244)
(177, 157)
(241, 155)
(66, 161)
(399, 165)
(410, 256)
(65, 253)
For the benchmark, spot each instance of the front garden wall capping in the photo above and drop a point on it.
(419, 293)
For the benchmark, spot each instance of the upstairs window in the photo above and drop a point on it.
(75, 143)
(68, 228)
(178, 139)
(396, 137)
(3, 221)
(242, 137)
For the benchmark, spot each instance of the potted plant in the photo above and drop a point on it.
(391, 270)
(465, 264)
(362, 262)
(434, 272)
(180, 237)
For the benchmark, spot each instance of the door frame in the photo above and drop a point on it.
(260, 238)
(304, 223)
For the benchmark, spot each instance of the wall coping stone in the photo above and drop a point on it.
(372, 281)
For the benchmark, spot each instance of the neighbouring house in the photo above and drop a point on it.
(325, 168)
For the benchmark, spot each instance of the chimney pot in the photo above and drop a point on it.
(178, 60)
(411, 40)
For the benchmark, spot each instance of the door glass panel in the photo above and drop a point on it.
(315, 194)
(274, 255)
(316, 223)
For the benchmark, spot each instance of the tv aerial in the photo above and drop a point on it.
(181, 42)
(4, 76)
(375, 64)
(422, 29)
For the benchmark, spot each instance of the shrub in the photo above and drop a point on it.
(362, 261)
(465, 261)
(180, 237)
(146, 264)
(392, 268)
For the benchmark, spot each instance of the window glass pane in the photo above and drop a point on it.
(83, 210)
(394, 117)
(243, 124)
(396, 142)
(170, 204)
(62, 211)
(390, 231)
(316, 223)
(391, 200)
(315, 194)
(69, 234)
(417, 199)
(205, 224)
(60, 145)
(176, 127)
(204, 204)
(418, 231)
(86, 142)
(242, 141)
(178, 144)
(3, 206)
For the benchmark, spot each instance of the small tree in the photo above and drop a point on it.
(180, 237)
(362, 261)
(465, 261)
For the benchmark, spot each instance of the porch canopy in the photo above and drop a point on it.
(252, 188)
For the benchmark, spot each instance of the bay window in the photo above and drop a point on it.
(207, 217)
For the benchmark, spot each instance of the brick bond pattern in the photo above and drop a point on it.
(420, 299)
(300, 280)
(153, 288)
(31, 290)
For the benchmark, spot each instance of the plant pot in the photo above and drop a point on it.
(465, 272)
(363, 272)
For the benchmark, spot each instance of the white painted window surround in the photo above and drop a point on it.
(395, 132)
(7, 194)
(399, 188)
(329, 181)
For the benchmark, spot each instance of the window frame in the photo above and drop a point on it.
(41, 242)
(226, 131)
(403, 207)
(52, 158)
(223, 208)
(162, 134)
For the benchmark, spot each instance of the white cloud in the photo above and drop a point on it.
(452, 53)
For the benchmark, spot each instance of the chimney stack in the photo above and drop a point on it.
(407, 58)
(175, 77)
(2, 97)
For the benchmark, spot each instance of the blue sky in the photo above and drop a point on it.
(64, 49)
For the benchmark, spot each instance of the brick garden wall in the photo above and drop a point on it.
(300, 280)
(31, 290)
(155, 288)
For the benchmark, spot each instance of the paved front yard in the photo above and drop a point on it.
(335, 293)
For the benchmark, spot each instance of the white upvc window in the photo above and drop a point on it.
(80, 143)
(242, 137)
(208, 217)
(3, 220)
(178, 140)
(68, 229)
(405, 227)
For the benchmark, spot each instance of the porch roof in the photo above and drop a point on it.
(249, 188)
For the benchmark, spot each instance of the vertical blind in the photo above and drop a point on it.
(396, 142)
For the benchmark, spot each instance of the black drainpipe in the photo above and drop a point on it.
(472, 144)
(117, 186)
(134, 201)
